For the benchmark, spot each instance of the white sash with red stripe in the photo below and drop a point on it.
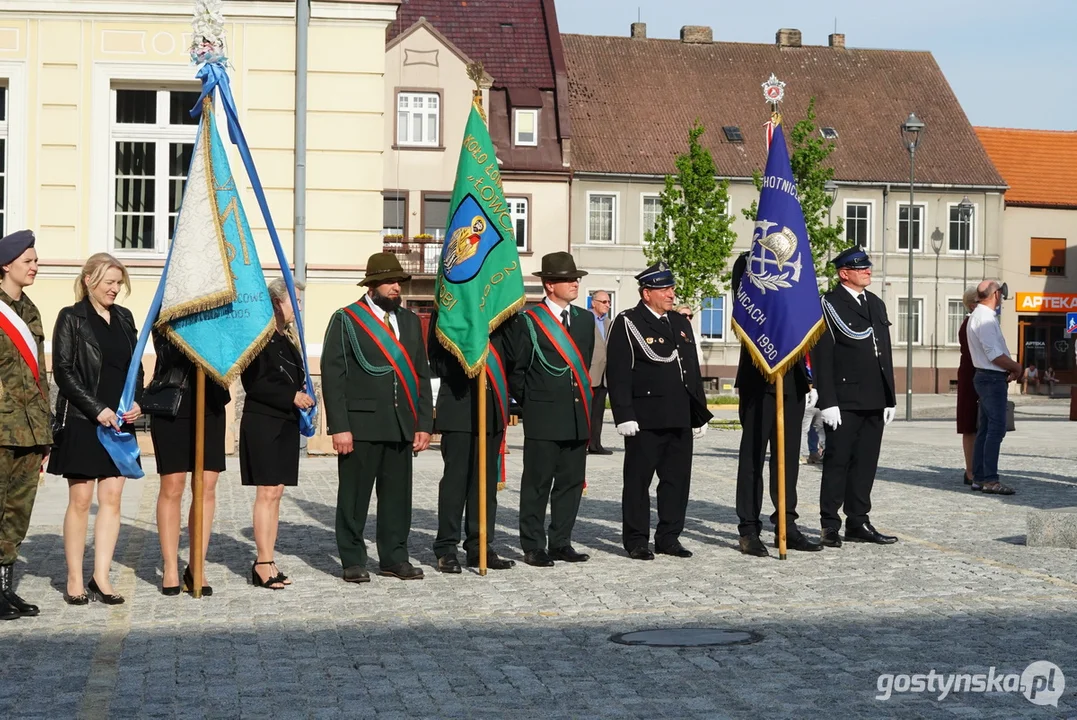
(16, 329)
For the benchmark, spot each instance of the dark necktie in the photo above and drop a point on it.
(392, 330)
(665, 321)
(564, 318)
(862, 299)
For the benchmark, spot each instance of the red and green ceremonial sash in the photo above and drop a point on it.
(394, 352)
(558, 336)
(495, 370)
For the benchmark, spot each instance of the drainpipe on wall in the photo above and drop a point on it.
(299, 238)
(886, 198)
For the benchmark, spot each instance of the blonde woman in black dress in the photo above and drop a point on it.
(269, 431)
(92, 345)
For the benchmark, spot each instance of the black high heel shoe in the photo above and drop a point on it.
(95, 594)
(188, 583)
(273, 582)
(170, 591)
(81, 599)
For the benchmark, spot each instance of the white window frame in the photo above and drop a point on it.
(522, 244)
(903, 325)
(961, 301)
(923, 226)
(13, 75)
(162, 134)
(871, 218)
(643, 198)
(517, 112)
(613, 224)
(163, 76)
(425, 142)
(972, 230)
(727, 299)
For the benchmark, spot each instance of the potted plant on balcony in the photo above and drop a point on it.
(423, 237)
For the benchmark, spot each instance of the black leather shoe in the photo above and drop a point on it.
(568, 554)
(538, 558)
(829, 537)
(356, 574)
(9, 613)
(97, 595)
(449, 564)
(188, 583)
(493, 562)
(404, 571)
(676, 550)
(82, 599)
(867, 533)
(7, 591)
(800, 542)
(599, 451)
(752, 545)
(641, 553)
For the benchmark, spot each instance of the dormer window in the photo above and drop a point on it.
(828, 133)
(733, 134)
(525, 126)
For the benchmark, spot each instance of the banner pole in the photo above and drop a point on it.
(196, 530)
(481, 380)
(780, 397)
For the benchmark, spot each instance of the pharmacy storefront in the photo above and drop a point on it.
(1041, 333)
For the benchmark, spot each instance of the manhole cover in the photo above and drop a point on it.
(687, 637)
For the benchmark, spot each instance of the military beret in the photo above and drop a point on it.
(854, 258)
(14, 245)
(656, 276)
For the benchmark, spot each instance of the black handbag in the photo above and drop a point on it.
(164, 395)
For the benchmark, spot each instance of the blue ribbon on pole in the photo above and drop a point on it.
(215, 76)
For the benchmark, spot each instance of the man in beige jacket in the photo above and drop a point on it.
(600, 307)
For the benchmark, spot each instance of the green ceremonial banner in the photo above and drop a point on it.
(479, 282)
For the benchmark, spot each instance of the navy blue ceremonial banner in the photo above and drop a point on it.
(776, 309)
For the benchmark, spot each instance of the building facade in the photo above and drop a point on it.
(1039, 259)
(633, 100)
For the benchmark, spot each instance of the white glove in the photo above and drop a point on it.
(811, 398)
(888, 415)
(699, 432)
(832, 417)
(628, 429)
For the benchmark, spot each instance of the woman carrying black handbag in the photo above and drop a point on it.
(92, 345)
(170, 402)
(269, 432)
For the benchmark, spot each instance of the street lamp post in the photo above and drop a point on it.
(911, 132)
(936, 245)
(964, 211)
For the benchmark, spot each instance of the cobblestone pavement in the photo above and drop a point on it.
(959, 594)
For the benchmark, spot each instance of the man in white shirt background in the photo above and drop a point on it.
(995, 369)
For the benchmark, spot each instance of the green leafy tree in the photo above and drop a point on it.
(693, 232)
(811, 171)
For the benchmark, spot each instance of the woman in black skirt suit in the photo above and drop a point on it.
(173, 446)
(967, 397)
(92, 345)
(269, 432)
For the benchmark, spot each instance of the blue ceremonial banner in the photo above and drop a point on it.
(776, 309)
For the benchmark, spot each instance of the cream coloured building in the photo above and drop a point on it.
(97, 138)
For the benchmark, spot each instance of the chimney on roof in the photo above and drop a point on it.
(697, 34)
(639, 31)
(787, 37)
(837, 41)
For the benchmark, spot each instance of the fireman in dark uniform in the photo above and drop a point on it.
(758, 415)
(656, 393)
(853, 371)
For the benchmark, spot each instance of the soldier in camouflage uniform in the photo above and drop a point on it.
(25, 427)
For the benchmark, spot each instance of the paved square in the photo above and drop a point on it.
(959, 593)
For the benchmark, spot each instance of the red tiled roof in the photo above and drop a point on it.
(1040, 166)
(510, 37)
(632, 102)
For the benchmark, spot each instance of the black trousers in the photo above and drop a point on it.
(669, 453)
(458, 491)
(386, 466)
(553, 474)
(849, 464)
(598, 413)
(759, 420)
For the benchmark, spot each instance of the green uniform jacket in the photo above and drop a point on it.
(551, 404)
(457, 400)
(373, 408)
(25, 420)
